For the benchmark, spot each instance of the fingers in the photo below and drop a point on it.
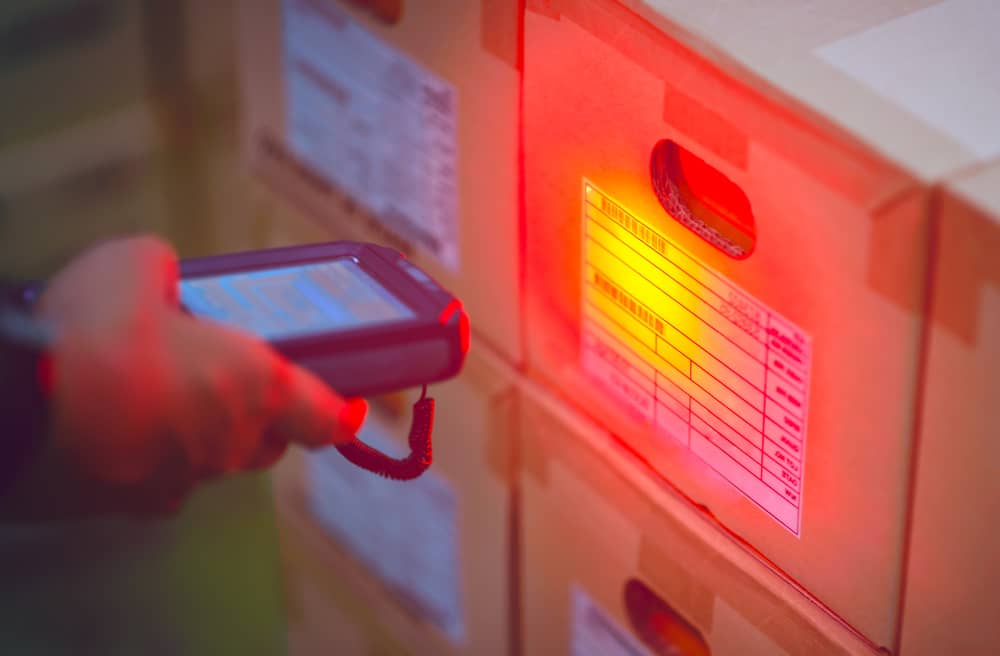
(114, 282)
(313, 415)
(251, 402)
(270, 450)
(154, 271)
(297, 406)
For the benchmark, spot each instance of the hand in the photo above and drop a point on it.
(148, 401)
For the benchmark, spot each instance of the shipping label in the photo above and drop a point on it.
(375, 123)
(694, 356)
(405, 533)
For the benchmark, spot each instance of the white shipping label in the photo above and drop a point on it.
(406, 533)
(374, 122)
(695, 356)
(595, 633)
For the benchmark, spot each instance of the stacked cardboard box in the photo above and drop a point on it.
(94, 180)
(728, 237)
(397, 123)
(55, 61)
(729, 245)
(77, 146)
(614, 562)
(430, 557)
(951, 596)
(95, 143)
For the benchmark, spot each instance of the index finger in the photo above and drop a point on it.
(312, 414)
(117, 274)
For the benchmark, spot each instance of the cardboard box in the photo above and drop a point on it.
(194, 55)
(211, 32)
(221, 207)
(726, 241)
(613, 562)
(56, 59)
(94, 180)
(325, 615)
(152, 148)
(285, 224)
(397, 123)
(429, 557)
(951, 595)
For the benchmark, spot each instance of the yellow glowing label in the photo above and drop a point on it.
(695, 356)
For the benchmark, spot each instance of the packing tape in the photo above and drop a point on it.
(828, 154)
(675, 581)
(967, 243)
(500, 27)
(705, 126)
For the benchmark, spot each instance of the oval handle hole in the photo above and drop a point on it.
(662, 629)
(702, 199)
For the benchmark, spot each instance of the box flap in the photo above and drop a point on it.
(914, 79)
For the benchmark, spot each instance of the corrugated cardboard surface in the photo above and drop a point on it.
(473, 436)
(841, 252)
(55, 63)
(195, 86)
(97, 180)
(913, 79)
(216, 200)
(449, 39)
(325, 615)
(952, 598)
(163, 158)
(211, 38)
(593, 519)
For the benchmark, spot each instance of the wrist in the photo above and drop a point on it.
(25, 385)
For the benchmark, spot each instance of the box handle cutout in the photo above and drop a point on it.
(659, 626)
(702, 199)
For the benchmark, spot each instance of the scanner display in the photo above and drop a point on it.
(294, 301)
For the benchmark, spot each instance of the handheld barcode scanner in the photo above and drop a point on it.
(360, 316)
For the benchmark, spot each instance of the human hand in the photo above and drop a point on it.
(148, 401)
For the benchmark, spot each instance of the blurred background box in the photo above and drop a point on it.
(211, 39)
(952, 598)
(615, 563)
(67, 61)
(147, 144)
(80, 139)
(100, 124)
(749, 282)
(397, 122)
(195, 83)
(429, 557)
(325, 614)
(96, 179)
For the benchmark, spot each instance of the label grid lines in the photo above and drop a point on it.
(670, 337)
(712, 356)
